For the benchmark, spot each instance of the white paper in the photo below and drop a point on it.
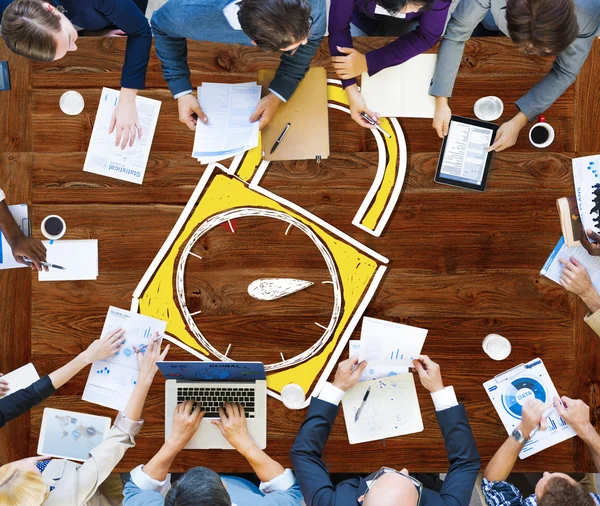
(20, 378)
(511, 390)
(553, 268)
(20, 215)
(402, 91)
(106, 159)
(111, 382)
(392, 409)
(586, 176)
(78, 257)
(228, 131)
(378, 371)
(386, 343)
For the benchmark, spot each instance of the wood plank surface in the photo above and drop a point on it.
(462, 264)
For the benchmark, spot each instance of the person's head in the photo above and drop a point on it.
(391, 489)
(405, 6)
(557, 489)
(198, 487)
(276, 25)
(37, 30)
(542, 26)
(21, 484)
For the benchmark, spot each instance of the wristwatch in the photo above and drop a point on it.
(519, 437)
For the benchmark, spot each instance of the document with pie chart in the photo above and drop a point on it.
(111, 381)
(511, 390)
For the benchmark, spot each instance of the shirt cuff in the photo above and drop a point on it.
(2, 195)
(281, 483)
(444, 399)
(128, 426)
(145, 482)
(332, 395)
(277, 95)
(186, 92)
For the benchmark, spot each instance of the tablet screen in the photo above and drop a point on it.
(464, 157)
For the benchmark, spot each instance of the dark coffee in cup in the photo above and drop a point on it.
(54, 226)
(539, 135)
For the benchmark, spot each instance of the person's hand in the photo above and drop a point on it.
(575, 412)
(441, 116)
(591, 246)
(265, 110)
(429, 373)
(357, 105)
(4, 388)
(532, 415)
(186, 421)
(348, 374)
(575, 278)
(232, 424)
(125, 120)
(115, 33)
(148, 357)
(104, 347)
(507, 134)
(351, 65)
(34, 249)
(190, 111)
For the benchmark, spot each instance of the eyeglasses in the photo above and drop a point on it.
(384, 470)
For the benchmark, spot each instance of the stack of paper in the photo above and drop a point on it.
(21, 378)
(228, 131)
(106, 159)
(111, 382)
(79, 259)
(19, 213)
(553, 268)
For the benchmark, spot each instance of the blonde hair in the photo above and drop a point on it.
(21, 488)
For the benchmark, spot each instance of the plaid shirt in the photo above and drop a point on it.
(501, 493)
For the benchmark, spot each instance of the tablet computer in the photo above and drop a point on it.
(463, 161)
(4, 76)
(71, 435)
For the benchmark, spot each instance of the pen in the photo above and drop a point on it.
(371, 121)
(143, 347)
(45, 264)
(546, 414)
(362, 404)
(280, 138)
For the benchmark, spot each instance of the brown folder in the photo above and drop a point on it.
(308, 135)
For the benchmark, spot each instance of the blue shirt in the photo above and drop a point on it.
(502, 493)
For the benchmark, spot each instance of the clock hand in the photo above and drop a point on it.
(275, 288)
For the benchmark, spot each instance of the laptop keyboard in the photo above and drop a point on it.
(212, 398)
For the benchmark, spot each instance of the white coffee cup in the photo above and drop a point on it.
(488, 108)
(53, 222)
(71, 103)
(293, 396)
(549, 129)
(496, 346)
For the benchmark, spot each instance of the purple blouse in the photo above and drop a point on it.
(362, 14)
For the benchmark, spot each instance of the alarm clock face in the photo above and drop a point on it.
(232, 251)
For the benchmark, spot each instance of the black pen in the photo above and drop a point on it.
(362, 404)
(280, 138)
(45, 264)
(371, 121)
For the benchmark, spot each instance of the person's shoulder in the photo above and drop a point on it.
(588, 15)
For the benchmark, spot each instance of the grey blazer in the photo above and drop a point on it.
(566, 66)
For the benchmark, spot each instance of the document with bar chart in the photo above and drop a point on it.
(586, 176)
(111, 382)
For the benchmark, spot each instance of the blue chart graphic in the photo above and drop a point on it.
(518, 392)
(397, 354)
(147, 332)
(592, 166)
(106, 370)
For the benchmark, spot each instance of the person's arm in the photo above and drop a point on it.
(14, 405)
(21, 245)
(504, 459)
(458, 438)
(577, 414)
(306, 453)
(340, 17)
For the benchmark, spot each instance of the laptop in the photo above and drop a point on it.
(211, 384)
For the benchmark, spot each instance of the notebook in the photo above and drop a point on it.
(21, 378)
(78, 257)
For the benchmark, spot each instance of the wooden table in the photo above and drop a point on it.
(463, 264)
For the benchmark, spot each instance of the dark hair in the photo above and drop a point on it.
(200, 486)
(275, 24)
(542, 26)
(395, 6)
(559, 492)
(27, 28)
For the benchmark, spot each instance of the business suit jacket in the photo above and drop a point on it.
(315, 482)
(14, 405)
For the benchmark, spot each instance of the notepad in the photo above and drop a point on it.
(392, 409)
(78, 257)
(402, 91)
(20, 215)
(21, 378)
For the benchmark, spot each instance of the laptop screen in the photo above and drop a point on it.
(213, 371)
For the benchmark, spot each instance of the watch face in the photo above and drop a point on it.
(229, 253)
